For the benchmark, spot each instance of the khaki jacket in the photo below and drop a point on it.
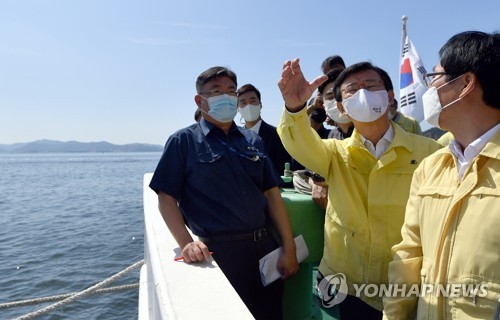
(409, 124)
(451, 235)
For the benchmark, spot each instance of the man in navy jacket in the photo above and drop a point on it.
(249, 107)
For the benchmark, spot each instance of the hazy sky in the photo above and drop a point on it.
(124, 71)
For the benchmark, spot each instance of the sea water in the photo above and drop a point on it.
(67, 222)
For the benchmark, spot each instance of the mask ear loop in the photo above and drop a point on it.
(459, 96)
(449, 104)
(207, 103)
(447, 83)
(341, 114)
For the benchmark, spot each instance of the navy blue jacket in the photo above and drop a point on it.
(218, 180)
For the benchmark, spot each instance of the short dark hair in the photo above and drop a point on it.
(248, 88)
(358, 67)
(214, 73)
(197, 115)
(332, 62)
(476, 52)
(385, 78)
(332, 75)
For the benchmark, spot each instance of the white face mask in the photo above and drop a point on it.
(432, 105)
(250, 112)
(334, 113)
(366, 106)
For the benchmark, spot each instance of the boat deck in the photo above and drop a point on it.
(170, 289)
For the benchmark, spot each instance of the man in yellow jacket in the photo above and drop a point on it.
(451, 235)
(369, 176)
(409, 124)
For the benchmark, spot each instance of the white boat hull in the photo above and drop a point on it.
(177, 290)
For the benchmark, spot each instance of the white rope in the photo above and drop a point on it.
(81, 294)
(22, 303)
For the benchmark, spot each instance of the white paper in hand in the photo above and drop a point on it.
(268, 264)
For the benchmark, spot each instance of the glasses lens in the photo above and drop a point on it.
(430, 77)
(372, 85)
(352, 88)
(215, 93)
(427, 80)
(369, 84)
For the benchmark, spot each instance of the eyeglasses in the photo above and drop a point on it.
(370, 85)
(431, 77)
(215, 93)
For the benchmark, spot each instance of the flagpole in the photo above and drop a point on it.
(403, 18)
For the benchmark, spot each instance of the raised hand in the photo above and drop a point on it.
(295, 89)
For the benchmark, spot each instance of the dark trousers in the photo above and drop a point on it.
(239, 260)
(353, 308)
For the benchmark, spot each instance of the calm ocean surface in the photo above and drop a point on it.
(69, 221)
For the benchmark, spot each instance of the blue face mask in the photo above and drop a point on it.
(223, 108)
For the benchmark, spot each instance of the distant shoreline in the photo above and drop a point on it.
(53, 146)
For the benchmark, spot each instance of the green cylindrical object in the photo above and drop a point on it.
(307, 219)
(287, 173)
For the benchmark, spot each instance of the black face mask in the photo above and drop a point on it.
(318, 115)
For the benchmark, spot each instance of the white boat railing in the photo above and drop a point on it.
(177, 290)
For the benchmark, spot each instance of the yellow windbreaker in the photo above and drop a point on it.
(409, 124)
(451, 235)
(367, 197)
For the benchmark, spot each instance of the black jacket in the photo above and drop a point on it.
(274, 147)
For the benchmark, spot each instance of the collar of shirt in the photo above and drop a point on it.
(256, 127)
(465, 158)
(382, 144)
(206, 127)
(396, 117)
